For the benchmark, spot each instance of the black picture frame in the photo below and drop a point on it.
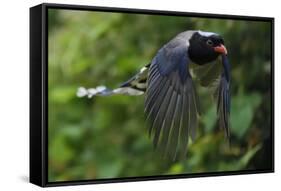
(39, 93)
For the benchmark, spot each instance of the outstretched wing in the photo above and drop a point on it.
(171, 103)
(223, 96)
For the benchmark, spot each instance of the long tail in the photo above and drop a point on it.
(133, 87)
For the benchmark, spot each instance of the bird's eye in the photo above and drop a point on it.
(209, 42)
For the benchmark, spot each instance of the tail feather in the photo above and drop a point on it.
(133, 87)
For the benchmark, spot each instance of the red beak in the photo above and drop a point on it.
(220, 49)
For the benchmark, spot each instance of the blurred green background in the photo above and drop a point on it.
(106, 137)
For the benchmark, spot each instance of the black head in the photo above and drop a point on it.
(205, 47)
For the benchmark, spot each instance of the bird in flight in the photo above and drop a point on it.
(171, 100)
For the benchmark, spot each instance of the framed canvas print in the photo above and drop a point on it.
(128, 94)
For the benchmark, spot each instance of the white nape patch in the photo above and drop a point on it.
(206, 34)
(128, 91)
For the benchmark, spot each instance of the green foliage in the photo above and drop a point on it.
(106, 137)
(243, 109)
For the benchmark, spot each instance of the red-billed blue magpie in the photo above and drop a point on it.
(171, 101)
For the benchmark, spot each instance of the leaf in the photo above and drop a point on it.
(209, 119)
(62, 94)
(176, 168)
(60, 152)
(109, 169)
(242, 112)
(248, 156)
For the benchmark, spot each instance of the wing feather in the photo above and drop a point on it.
(174, 132)
(171, 103)
(167, 122)
(154, 106)
(185, 123)
(162, 115)
(223, 97)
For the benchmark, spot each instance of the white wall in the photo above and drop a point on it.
(14, 106)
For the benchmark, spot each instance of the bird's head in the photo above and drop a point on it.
(205, 47)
